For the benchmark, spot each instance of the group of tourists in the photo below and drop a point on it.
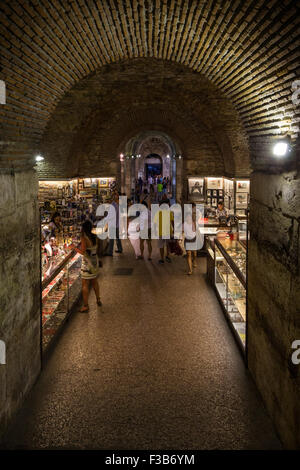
(156, 186)
(162, 224)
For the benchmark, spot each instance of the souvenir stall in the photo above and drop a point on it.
(226, 244)
(64, 206)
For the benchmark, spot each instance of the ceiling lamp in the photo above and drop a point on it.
(39, 158)
(281, 148)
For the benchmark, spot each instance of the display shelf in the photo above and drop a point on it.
(230, 284)
(235, 255)
(60, 292)
(221, 290)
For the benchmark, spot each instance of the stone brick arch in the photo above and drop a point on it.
(121, 91)
(248, 50)
(218, 77)
(156, 143)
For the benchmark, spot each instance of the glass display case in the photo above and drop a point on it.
(242, 228)
(230, 283)
(61, 289)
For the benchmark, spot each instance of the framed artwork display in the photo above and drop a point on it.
(242, 186)
(241, 200)
(228, 193)
(209, 201)
(103, 183)
(241, 212)
(214, 202)
(87, 183)
(215, 193)
(214, 183)
(220, 193)
(208, 192)
(196, 189)
(112, 183)
(228, 186)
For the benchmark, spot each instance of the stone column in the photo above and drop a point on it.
(127, 165)
(133, 171)
(173, 176)
(179, 165)
(123, 182)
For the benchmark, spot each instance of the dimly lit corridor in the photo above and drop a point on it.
(155, 368)
(186, 107)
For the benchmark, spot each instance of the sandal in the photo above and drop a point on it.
(84, 309)
(99, 303)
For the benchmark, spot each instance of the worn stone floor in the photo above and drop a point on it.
(155, 368)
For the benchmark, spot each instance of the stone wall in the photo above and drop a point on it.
(274, 297)
(19, 289)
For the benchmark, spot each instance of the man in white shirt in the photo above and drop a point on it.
(114, 223)
(145, 222)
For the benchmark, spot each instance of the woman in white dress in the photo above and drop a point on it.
(189, 228)
(90, 264)
(145, 220)
(133, 234)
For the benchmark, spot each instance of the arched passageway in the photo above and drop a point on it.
(148, 370)
(221, 80)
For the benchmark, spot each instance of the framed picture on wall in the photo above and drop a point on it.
(208, 192)
(209, 201)
(196, 189)
(112, 183)
(220, 193)
(87, 183)
(228, 187)
(241, 200)
(103, 183)
(214, 202)
(214, 183)
(242, 186)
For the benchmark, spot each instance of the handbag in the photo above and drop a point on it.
(175, 247)
(178, 249)
(92, 267)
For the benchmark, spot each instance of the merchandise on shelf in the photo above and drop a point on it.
(231, 283)
(59, 295)
(211, 190)
(226, 269)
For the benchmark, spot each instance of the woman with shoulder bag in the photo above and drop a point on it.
(189, 228)
(90, 264)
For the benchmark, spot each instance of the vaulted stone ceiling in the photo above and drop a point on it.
(248, 50)
(95, 119)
